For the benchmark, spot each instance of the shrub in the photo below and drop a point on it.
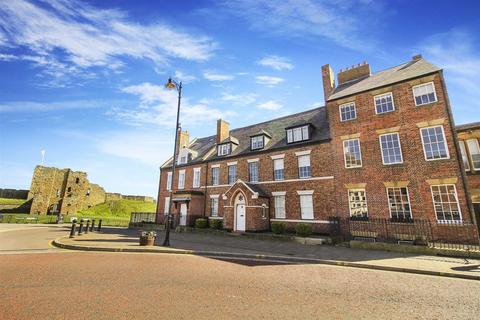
(303, 229)
(201, 223)
(216, 223)
(279, 227)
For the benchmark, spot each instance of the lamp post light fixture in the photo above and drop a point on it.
(172, 84)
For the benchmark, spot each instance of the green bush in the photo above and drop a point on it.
(216, 224)
(303, 229)
(279, 227)
(201, 223)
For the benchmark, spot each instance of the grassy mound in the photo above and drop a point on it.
(118, 208)
(12, 201)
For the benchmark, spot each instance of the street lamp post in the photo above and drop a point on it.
(171, 84)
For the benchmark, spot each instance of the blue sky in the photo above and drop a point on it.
(83, 80)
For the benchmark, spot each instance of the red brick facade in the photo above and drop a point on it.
(330, 179)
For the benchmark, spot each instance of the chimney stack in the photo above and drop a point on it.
(183, 139)
(355, 72)
(328, 79)
(417, 57)
(223, 130)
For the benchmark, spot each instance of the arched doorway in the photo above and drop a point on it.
(240, 212)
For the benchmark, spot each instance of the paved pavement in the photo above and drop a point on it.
(103, 285)
(29, 238)
(119, 239)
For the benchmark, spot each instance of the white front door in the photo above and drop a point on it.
(183, 214)
(240, 217)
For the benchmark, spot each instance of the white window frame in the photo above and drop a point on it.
(250, 173)
(381, 96)
(169, 181)
(390, 204)
(181, 181)
(344, 106)
(166, 205)
(303, 214)
(399, 146)
(278, 160)
(359, 152)
(279, 204)
(471, 154)
(228, 173)
(463, 152)
(456, 198)
(302, 131)
(224, 149)
(304, 156)
(196, 177)
(257, 142)
(350, 203)
(444, 140)
(423, 85)
(214, 198)
(215, 182)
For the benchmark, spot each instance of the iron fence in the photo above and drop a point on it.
(454, 235)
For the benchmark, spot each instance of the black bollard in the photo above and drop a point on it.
(80, 228)
(93, 225)
(99, 225)
(88, 225)
(72, 230)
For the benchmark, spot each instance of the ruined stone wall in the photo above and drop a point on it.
(13, 194)
(47, 189)
(95, 195)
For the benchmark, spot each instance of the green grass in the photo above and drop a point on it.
(12, 201)
(112, 213)
(118, 209)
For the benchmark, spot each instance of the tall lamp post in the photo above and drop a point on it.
(172, 84)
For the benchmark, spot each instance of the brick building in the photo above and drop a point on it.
(383, 146)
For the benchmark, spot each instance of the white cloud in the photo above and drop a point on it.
(213, 76)
(270, 105)
(456, 52)
(83, 36)
(33, 106)
(276, 63)
(148, 147)
(184, 77)
(242, 99)
(158, 106)
(269, 80)
(347, 23)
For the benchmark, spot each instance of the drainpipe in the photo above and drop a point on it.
(457, 150)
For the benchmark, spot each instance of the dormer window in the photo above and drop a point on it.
(224, 149)
(301, 133)
(256, 142)
(259, 140)
(185, 155)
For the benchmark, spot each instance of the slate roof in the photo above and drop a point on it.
(411, 69)
(275, 128)
(467, 126)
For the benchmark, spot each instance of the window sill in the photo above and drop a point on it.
(385, 113)
(359, 167)
(426, 104)
(440, 159)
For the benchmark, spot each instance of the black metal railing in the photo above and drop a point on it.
(454, 234)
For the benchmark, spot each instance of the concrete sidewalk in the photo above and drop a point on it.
(229, 246)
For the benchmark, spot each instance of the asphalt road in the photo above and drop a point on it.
(40, 282)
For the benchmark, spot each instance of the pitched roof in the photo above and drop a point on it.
(468, 126)
(275, 128)
(411, 69)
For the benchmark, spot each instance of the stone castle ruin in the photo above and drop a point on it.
(64, 191)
